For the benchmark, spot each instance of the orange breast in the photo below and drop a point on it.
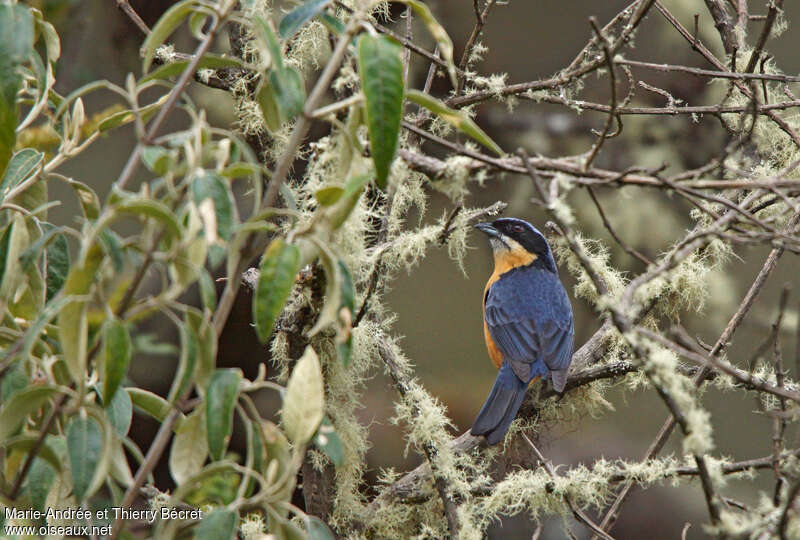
(491, 346)
(503, 262)
(494, 352)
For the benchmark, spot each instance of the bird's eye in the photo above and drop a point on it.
(517, 228)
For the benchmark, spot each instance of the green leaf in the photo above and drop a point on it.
(84, 447)
(156, 159)
(147, 344)
(117, 344)
(33, 253)
(268, 106)
(381, 71)
(186, 363)
(57, 253)
(38, 482)
(32, 334)
(255, 448)
(189, 448)
(317, 530)
(289, 92)
(209, 61)
(20, 167)
(347, 287)
(119, 469)
(13, 243)
(151, 404)
(240, 169)
(167, 24)
(219, 524)
(120, 412)
(278, 452)
(341, 210)
(22, 404)
(328, 195)
(217, 484)
(267, 42)
(279, 266)
(127, 116)
(52, 42)
(329, 313)
(14, 379)
(333, 24)
(439, 34)
(208, 185)
(223, 390)
(200, 323)
(24, 443)
(304, 401)
(208, 292)
(16, 45)
(90, 202)
(295, 19)
(147, 207)
(73, 324)
(111, 244)
(344, 340)
(329, 442)
(458, 119)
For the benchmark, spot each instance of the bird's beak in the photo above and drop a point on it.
(488, 229)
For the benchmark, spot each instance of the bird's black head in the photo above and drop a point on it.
(511, 236)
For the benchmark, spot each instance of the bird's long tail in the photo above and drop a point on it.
(501, 406)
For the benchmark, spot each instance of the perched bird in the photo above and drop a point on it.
(527, 322)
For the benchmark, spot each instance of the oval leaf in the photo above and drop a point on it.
(167, 24)
(328, 195)
(22, 164)
(219, 524)
(120, 412)
(190, 447)
(117, 344)
(329, 442)
(223, 389)
(16, 44)
(84, 446)
(289, 92)
(154, 209)
(211, 186)
(22, 404)
(295, 19)
(304, 401)
(73, 324)
(338, 213)
(279, 266)
(209, 61)
(317, 529)
(149, 403)
(458, 119)
(381, 71)
(13, 243)
(186, 363)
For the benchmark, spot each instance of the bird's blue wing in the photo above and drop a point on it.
(530, 319)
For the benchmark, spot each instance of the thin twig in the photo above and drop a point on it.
(125, 6)
(480, 20)
(612, 112)
(628, 249)
(577, 512)
(772, 13)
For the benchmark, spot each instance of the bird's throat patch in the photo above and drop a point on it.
(508, 259)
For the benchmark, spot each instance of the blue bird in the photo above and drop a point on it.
(527, 322)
